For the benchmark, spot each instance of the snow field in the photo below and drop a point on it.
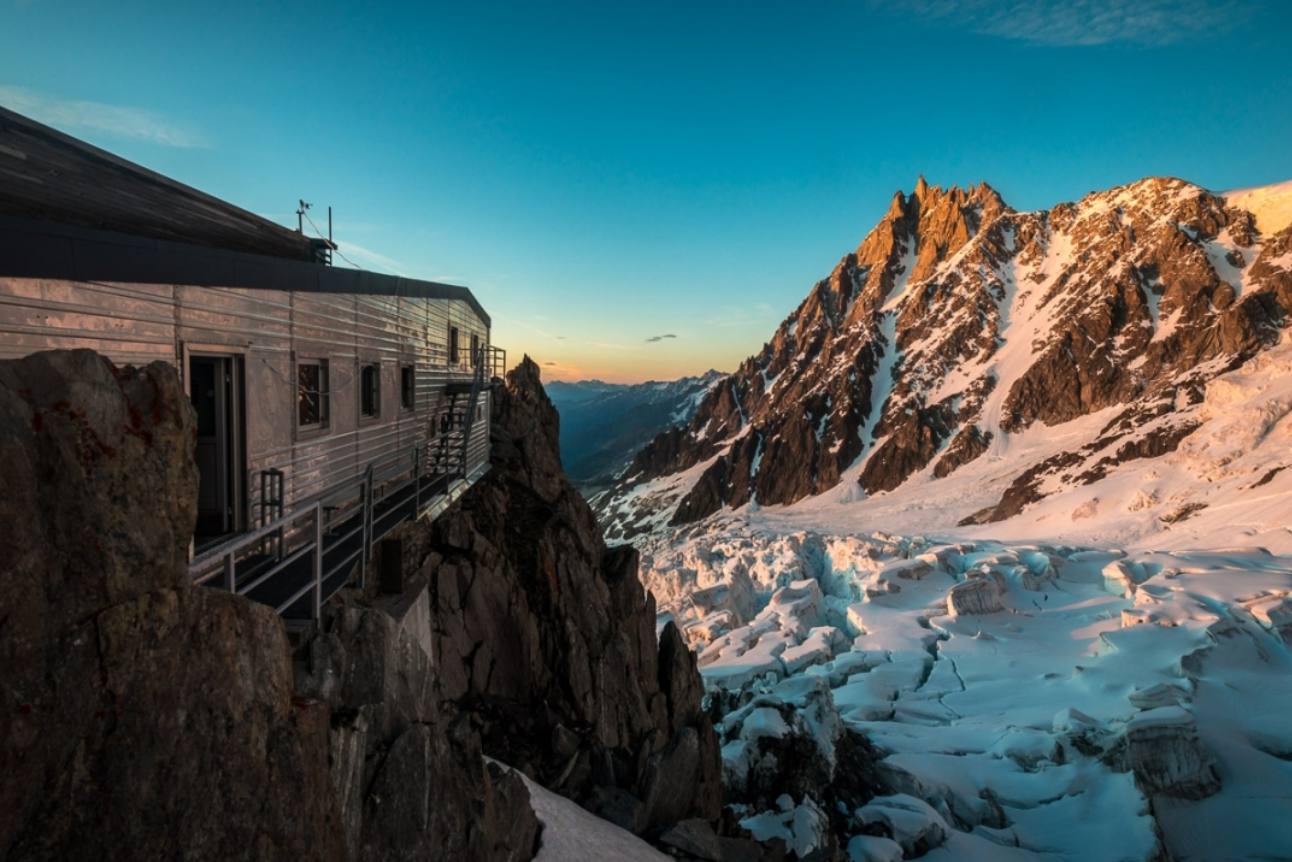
(1113, 704)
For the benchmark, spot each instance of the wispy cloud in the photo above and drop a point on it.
(655, 338)
(1078, 22)
(82, 116)
(368, 259)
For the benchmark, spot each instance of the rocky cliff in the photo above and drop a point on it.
(546, 637)
(144, 718)
(958, 326)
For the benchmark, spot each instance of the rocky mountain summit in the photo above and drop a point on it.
(960, 327)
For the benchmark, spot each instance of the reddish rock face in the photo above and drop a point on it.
(959, 321)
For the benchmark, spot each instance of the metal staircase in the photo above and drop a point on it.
(456, 420)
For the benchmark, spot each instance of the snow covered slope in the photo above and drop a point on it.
(1227, 484)
(570, 832)
(1271, 205)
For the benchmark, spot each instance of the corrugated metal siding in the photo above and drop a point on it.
(271, 330)
(134, 322)
(478, 446)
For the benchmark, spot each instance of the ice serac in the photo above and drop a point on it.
(546, 638)
(902, 697)
(959, 327)
(1166, 755)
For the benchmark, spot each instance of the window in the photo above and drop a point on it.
(475, 350)
(370, 391)
(453, 346)
(312, 393)
(407, 381)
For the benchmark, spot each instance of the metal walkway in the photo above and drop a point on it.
(299, 560)
(277, 565)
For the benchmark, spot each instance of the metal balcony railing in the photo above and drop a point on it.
(298, 560)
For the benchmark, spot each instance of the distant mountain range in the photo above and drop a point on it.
(604, 424)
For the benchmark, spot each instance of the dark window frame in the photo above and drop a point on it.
(455, 357)
(319, 388)
(408, 386)
(369, 391)
(475, 349)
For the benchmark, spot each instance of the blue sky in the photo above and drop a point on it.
(604, 173)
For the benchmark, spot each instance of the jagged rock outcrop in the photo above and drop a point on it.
(141, 718)
(406, 763)
(789, 757)
(958, 324)
(545, 637)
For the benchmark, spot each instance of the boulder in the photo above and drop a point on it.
(803, 827)
(694, 838)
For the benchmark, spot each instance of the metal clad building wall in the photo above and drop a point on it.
(135, 322)
(271, 330)
(478, 448)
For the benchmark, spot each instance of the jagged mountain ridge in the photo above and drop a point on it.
(959, 323)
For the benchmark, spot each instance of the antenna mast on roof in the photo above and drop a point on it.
(300, 213)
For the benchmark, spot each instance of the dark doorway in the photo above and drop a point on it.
(215, 389)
